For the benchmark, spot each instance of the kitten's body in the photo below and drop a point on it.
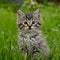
(31, 39)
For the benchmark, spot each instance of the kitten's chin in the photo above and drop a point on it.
(29, 28)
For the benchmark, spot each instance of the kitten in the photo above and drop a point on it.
(31, 39)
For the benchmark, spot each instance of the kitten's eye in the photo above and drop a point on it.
(33, 22)
(25, 22)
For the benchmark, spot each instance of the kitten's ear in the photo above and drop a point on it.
(20, 16)
(20, 13)
(37, 15)
(37, 12)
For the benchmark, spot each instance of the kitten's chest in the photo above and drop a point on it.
(29, 34)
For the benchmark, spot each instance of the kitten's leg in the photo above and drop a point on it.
(44, 47)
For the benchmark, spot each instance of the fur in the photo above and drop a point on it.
(30, 35)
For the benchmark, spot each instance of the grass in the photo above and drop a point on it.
(8, 33)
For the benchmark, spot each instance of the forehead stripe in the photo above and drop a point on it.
(29, 16)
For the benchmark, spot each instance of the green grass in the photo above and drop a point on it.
(8, 33)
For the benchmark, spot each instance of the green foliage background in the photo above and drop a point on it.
(8, 30)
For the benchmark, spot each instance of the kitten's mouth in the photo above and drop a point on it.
(29, 28)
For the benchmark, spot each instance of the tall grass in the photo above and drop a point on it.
(8, 33)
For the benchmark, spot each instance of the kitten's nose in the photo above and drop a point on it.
(29, 27)
(29, 24)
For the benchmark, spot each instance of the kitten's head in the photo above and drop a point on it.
(29, 21)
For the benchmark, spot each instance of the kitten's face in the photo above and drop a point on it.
(29, 21)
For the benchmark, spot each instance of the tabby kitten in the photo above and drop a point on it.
(31, 39)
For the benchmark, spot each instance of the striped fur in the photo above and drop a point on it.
(30, 36)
